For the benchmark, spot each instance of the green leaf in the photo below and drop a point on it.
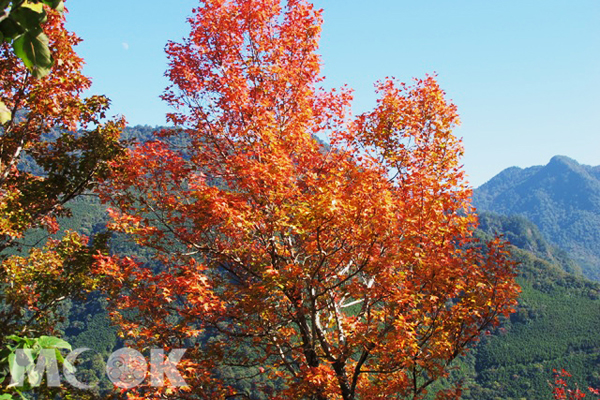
(30, 16)
(16, 371)
(33, 376)
(59, 356)
(5, 114)
(6, 396)
(22, 341)
(10, 29)
(32, 48)
(51, 342)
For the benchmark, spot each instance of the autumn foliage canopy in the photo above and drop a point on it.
(289, 268)
(54, 147)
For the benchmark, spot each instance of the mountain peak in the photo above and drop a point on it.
(563, 161)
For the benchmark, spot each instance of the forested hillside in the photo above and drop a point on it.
(561, 198)
(555, 325)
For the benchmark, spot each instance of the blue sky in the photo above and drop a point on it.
(525, 74)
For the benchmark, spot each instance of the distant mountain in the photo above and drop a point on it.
(561, 198)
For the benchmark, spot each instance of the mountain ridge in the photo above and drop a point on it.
(562, 198)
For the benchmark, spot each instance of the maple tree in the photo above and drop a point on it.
(53, 148)
(340, 271)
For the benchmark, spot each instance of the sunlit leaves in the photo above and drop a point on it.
(5, 114)
(53, 148)
(21, 25)
(347, 271)
(32, 48)
(14, 371)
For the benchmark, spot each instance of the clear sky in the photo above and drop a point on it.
(525, 74)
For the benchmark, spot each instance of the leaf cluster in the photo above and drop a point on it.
(21, 25)
(54, 148)
(24, 370)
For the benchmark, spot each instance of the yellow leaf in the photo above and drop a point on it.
(5, 114)
(37, 7)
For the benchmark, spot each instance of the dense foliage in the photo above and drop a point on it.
(21, 25)
(45, 162)
(348, 272)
